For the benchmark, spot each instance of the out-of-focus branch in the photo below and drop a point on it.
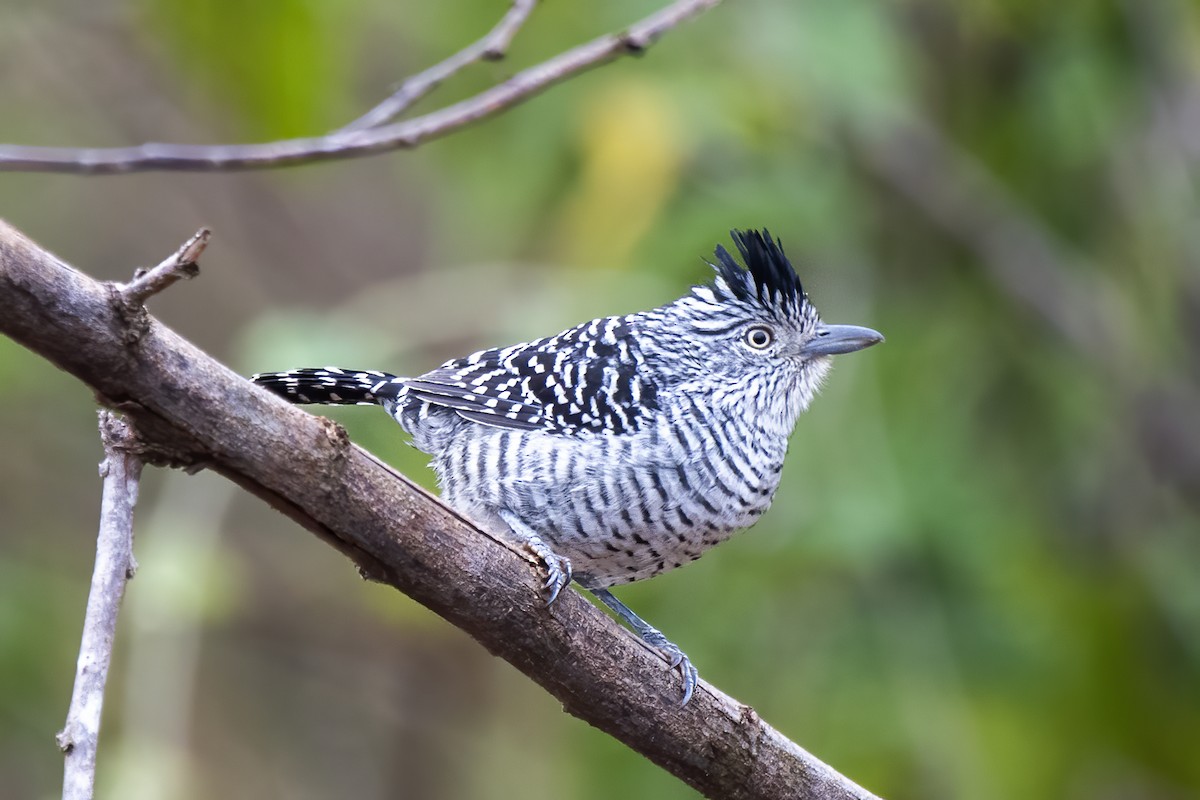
(1026, 260)
(357, 141)
(1169, 127)
(1023, 258)
(115, 565)
(189, 410)
(492, 47)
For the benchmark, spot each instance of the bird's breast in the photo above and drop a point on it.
(622, 508)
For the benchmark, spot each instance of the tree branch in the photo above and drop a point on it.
(115, 565)
(180, 264)
(355, 141)
(491, 47)
(191, 410)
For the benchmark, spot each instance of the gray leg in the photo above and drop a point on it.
(653, 637)
(558, 569)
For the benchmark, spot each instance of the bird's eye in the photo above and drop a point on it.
(759, 337)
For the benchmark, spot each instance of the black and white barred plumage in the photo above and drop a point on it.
(628, 445)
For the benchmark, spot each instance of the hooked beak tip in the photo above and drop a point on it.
(833, 340)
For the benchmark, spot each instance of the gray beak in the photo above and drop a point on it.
(833, 340)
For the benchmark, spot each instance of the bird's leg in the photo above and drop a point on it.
(558, 568)
(651, 636)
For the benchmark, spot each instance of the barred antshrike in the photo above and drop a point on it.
(626, 446)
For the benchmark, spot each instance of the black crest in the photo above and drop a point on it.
(768, 277)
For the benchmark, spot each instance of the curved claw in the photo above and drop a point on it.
(558, 568)
(675, 660)
(558, 575)
(690, 676)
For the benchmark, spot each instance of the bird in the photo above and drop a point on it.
(628, 445)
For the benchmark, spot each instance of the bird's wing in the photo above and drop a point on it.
(587, 378)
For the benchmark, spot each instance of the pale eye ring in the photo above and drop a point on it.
(759, 337)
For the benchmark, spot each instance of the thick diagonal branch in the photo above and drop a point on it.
(195, 411)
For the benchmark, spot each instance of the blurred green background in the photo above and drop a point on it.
(981, 578)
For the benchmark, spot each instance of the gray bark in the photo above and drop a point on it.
(114, 567)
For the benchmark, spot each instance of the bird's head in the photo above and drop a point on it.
(752, 333)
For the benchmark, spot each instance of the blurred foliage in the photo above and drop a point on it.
(981, 578)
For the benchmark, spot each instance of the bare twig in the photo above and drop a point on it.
(114, 567)
(180, 264)
(186, 404)
(491, 48)
(356, 143)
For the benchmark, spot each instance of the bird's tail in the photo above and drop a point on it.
(331, 385)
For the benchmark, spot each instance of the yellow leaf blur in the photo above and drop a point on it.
(631, 151)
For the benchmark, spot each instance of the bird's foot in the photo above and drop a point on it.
(676, 659)
(558, 568)
(558, 574)
(651, 636)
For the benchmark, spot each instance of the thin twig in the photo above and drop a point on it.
(491, 47)
(180, 264)
(357, 143)
(115, 565)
